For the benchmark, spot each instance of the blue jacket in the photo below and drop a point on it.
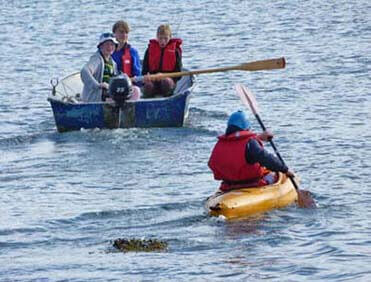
(136, 65)
(254, 153)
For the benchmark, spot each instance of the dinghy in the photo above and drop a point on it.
(72, 114)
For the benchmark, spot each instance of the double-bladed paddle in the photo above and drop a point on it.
(305, 200)
(270, 64)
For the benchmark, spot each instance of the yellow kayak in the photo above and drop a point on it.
(248, 201)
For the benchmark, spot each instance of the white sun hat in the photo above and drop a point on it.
(106, 37)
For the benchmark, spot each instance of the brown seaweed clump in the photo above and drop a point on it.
(140, 245)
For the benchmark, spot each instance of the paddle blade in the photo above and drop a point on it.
(305, 199)
(247, 98)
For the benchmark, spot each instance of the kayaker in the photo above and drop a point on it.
(97, 72)
(164, 54)
(126, 56)
(239, 158)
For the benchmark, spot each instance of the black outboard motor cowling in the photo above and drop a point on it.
(120, 88)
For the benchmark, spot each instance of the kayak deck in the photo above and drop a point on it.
(244, 202)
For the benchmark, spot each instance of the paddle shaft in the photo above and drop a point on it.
(276, 150)
(252, 66)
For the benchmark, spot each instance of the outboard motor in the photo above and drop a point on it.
(120, 88)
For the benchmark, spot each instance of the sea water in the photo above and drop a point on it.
(65, 197)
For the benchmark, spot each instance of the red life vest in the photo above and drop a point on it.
(168, 63)
(228, 162)
(127, 61)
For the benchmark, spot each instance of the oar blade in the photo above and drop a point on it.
(269, 64)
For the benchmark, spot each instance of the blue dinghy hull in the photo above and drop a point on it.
(70, 114)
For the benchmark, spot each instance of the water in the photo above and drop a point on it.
(65, 197)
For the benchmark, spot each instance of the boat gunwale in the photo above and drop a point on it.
(64, 99)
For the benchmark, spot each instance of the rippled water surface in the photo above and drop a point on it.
(65, 197)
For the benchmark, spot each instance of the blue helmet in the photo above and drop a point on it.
(239, 119)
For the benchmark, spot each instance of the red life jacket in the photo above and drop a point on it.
(127, 61)
(168, 63)
(228, 162)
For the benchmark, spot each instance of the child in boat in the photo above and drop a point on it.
(126, 56)
(239, 158)
(98, 71)
(164, 54)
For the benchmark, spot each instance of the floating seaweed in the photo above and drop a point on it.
(140, 245)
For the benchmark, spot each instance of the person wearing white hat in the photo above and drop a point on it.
(97, 72)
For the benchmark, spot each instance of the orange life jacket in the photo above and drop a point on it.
(168, 62)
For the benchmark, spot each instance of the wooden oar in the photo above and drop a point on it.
(270, 64)
(305, 200)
